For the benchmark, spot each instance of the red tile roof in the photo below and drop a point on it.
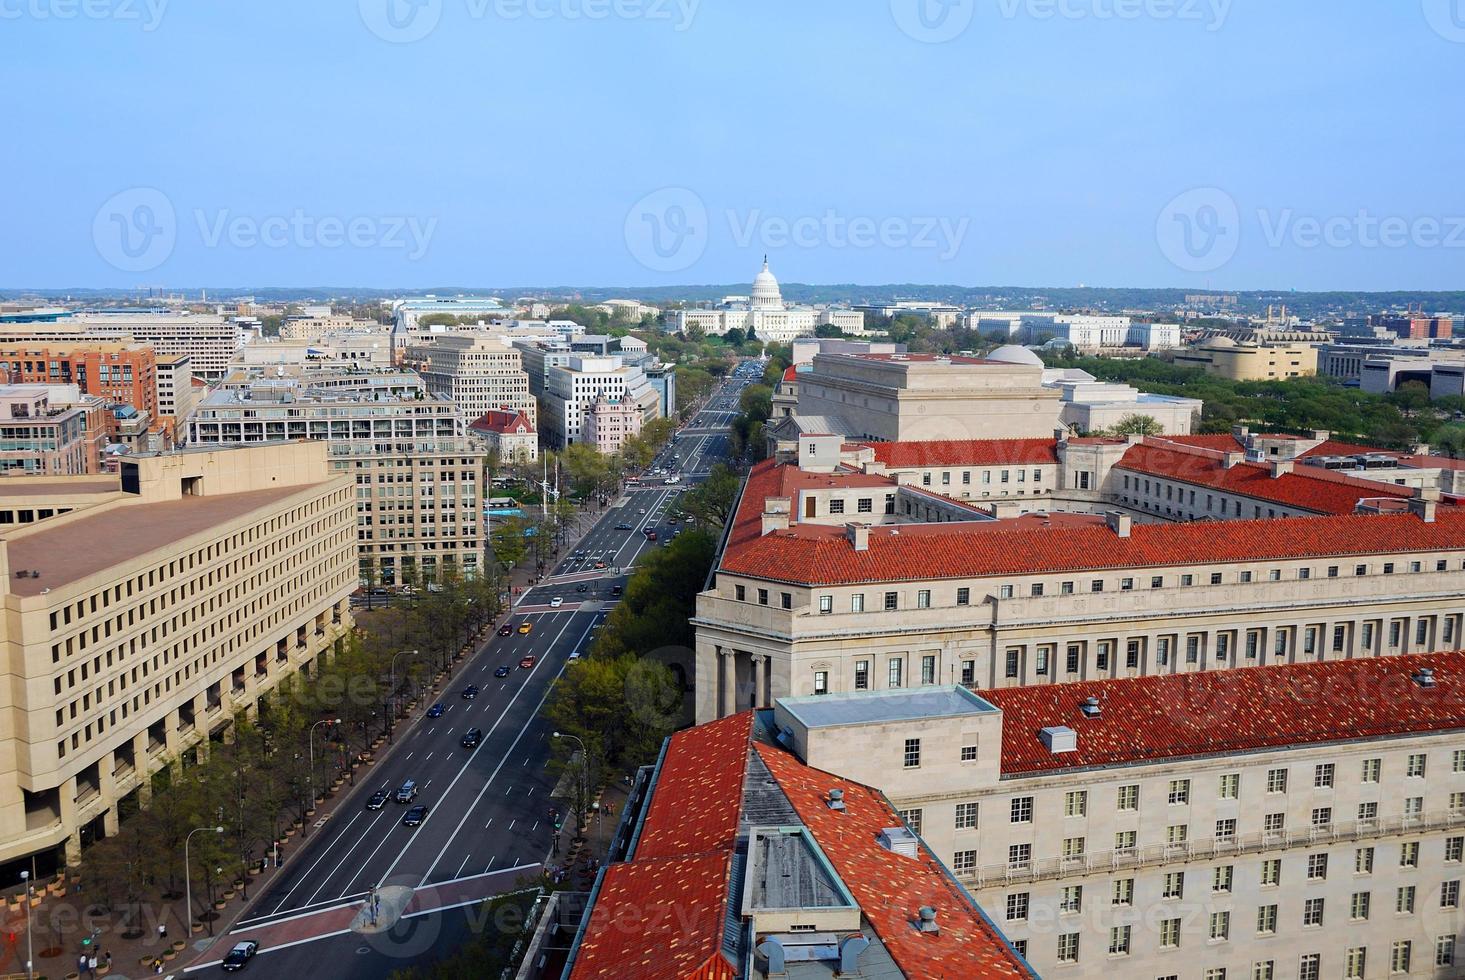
(889, 888)
(791, 373)
(1307, 487)
(1228, 711)
(967, 452)
(695, 804)
(659, 920)
(823, 556)
(503, 421)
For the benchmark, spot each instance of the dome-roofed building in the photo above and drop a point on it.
(1013, 354)
(764, 314)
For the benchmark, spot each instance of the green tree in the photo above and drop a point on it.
(710, 504)
(1137, 425)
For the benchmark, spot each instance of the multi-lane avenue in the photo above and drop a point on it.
(489, 807)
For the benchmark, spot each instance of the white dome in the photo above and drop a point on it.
(766, 294)
(1013, 354)
(1220, 343)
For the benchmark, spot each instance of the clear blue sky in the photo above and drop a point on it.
(559, 142)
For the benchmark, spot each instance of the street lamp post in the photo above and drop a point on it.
(393, 670)
(584, 770)
(188, 880)
(30, 973)
(310, 739)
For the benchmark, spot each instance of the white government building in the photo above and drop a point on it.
(765, 314)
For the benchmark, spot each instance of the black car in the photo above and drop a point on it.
(436, 711)
(470, 692)
(506, 630)
(377, 800)
(240, 955)
(582, 587)
(623, 527)
(472, 737)
(501, 672)
(415, 816)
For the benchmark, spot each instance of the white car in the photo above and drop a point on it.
(556, 602)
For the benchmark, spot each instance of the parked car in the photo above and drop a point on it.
(407, 792)
(472, 737)
(239, 956)
(470, 692)
(436, 711)
(377, 800)
(415, 816)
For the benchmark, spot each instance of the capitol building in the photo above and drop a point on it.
(764, 314)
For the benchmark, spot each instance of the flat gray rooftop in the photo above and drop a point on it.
(790, 874)
(873, 707)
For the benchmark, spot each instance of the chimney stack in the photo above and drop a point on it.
(1281, 467)
(1119, 523)
(858, 535)
(1232, 460)
(1425, 503)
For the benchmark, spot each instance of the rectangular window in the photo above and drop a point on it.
(1010, 667)
(1072, 901)
(826, 604)
(1226, 829)
(1220, 926)
(1076, 803)
(923, 599)
(1444, 951)
(1312, 912)
(964, 862)
(857, 602)
(1363, 861)
(1276, 780)
(1355, 961)
(1414, 768)
(968, 753)
(1019, 856)
(1409, 854)
(1068, 947)
(1371, 770)
(821, 682)
(1018, 904)
(966, 816)
(1122, 893)
(1266, 920)
(1271, 872)
(928, 670)
(1450, 894)
(1310, 966)
(1358, 905)
(963, 597)
(896, 669)
(1230, 786)
(1401, 956)
(1179, 792)
(1128, 798)
(912, 753)
(1404, 900)
(1222, 878)
(1174, 885)
(1169, 933)
(1317, 867)
(1022, 809)
(1119, 938)
(891, 600)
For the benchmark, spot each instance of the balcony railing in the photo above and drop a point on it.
(1209, 849)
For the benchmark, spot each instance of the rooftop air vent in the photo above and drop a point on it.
(927, 921)
(1424, 677)
(1091, 708)
(1059, 739)
(899, 840)
(835, 800)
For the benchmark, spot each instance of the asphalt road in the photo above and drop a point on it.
(489, 807)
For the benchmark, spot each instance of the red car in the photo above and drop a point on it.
(526, 663)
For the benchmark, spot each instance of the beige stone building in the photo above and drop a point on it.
(917, 397)
(1289, 822)
(417, 473)
(1227, 358)
(479, 374)
(139, 616)
(1109, 561)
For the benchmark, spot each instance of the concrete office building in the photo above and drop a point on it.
(177, 394)
(1235, 361)
(570, 390)
(416, 473)
(51, 430)
(140, 621)
(209, 339)
(608, 424)
(1295, 821)
(479, 375)
(508, 433)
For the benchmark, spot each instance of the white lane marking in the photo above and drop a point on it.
(325, 878)
(324, 851)
(462, 866)
(534, 716)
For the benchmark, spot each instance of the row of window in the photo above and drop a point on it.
(1355, 958)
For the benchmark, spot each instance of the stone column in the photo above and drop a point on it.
(759, 661)
(728, 702)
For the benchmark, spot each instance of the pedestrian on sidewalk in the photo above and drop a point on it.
(81, 963)
(91, 965)
(107, 958)
(158, 966)
(163, 931)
